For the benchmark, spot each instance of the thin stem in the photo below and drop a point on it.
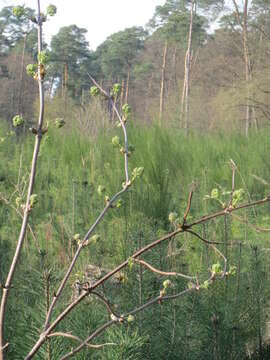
(29, 193)
(164, 273)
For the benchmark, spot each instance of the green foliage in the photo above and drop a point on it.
(59, 122)
(94, 91)
(31, 69)
(17, 120)
(71, 170)
(43, 57)
(51, 10)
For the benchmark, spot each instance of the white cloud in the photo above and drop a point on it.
(100, 17)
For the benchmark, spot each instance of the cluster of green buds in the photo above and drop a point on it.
(33, 200)
(216, 269)
(94, 91)
(95, 238)
(18, 11)
(218, 195)
(31, 69)
(126, 110)
(237, 197)
(51, 10)
(101, 190)
(116, 90)
(59, 122)
(116, 142)
(166, 285)
(43, 57)
(130, 318)
(173, 217)
(17, 120)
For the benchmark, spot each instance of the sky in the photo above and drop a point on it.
(100, 17)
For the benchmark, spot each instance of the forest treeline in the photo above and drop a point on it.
(197, 64)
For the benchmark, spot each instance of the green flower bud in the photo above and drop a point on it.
(126, 110)
(119, 203)
(116, 89)
(101, 189)
(94, 91)
(17, 120)
(116, 141)
(31, 69)
(172, 217)
(130, 318)
(43, 57)
(205, 285)
(59, 122)
(214, 194)
(33, 200)
(95, 238)
(167, 283)
(216, 268)
(51, 10)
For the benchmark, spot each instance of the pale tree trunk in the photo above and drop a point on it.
(248, 72)
(186, 84)
(122, 93)
(127, 85)
(21, 76)
(162, 82)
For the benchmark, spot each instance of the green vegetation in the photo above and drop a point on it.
(224, 318)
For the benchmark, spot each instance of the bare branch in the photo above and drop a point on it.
(188, 205)
(21, 238)
(163, 273)
(256, 228)
(76, 338)
(234, 168)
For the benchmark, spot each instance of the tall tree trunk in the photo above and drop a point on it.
(127, 85)
(21, 76)
(162, 82)
(186, 84)
(248, 73)
(122, 93)
(247, 64)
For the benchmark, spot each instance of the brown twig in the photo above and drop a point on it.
(188, 205)
(256, 228)
(76, 338)
(204, 240)
(106, 302)
(163, 273)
